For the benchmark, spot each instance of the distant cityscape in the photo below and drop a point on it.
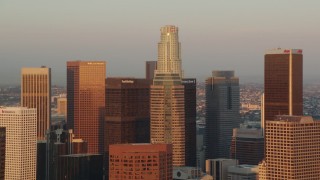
(164, 126)
(249, 97)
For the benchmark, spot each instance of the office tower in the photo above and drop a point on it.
(169, 51)
(292, 148)
(243, 172)
(36, 93)
(247, 145)
(167, 107)
(62, 106)
(86, 102)
(145, 161)
(218, 168)
(222, 113)
(21, 142)
(190, 109)
(2, 151)
(151, 66)
(80, 166)
(283, 82)
(41, 159)
(127, 118)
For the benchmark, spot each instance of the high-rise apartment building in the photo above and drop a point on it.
(151, 66)
(21, 142)
(86, 102)
(36, 93)
(127, 118)
(140, 161)
(222, 113)
(283, 83)
(292, 148)
(2, 151)
(167, 106)
(190, 109)
(247, 145)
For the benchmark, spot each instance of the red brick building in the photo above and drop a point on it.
(140, 161)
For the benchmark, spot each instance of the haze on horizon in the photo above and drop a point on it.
(214, 35)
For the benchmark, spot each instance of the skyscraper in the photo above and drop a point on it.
(169, 55)
(36, 93)
(86, 102)
(283, 83)
(190, 102)
(2, 151)
(167, 108)
(292, 148)
(127, 117)
(21, 142)
(222, 113)
(151, 66)
(140, 161)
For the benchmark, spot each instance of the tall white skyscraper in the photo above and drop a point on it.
(169, 55)
(21, 142)
(167, 101)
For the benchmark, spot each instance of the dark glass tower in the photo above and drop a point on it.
(80, 166)
(222, 113)
(127, 117)
(190, 108)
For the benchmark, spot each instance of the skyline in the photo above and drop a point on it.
(213, 36)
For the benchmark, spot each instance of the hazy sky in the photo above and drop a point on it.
(214, 35)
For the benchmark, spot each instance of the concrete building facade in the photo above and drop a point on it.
(292, 148)
(21, 142)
